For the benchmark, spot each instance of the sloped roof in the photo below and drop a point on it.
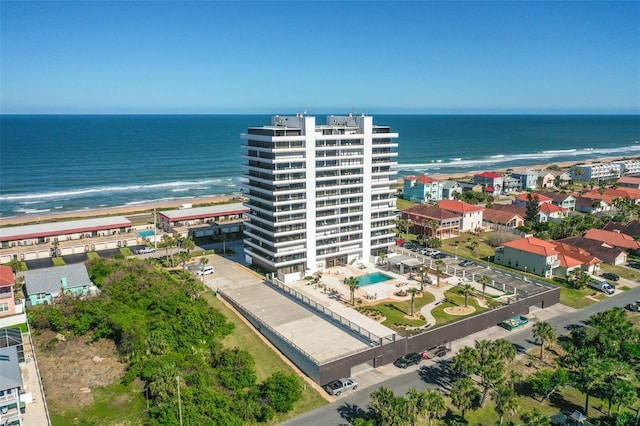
(568, 261)
(577, 253)
(6, 276)
(61, 228)
(202, 212)
(632, 228)
(49, 280)
(458, 206)
(555, 196)
(499, 216)
(448, 184)
(430, 212)
(548, 208)
(588, 202)
(632, 180)
(422, 179)
(615, 239)
(533, 245)
(596, 248)
(10, 375)
(512, 208)
(541, 197)
(491, 175)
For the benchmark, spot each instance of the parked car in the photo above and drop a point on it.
(611, 276)
(206, 270)
(336, 387)
(635, 265)
(146, 250)
(439, 255)
(408, 360)
(634, 307)
(400, 242)
(465, 262)
(434, 253)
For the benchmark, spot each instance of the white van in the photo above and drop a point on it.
(206, 270)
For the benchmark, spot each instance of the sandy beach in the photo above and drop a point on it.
(140, 208)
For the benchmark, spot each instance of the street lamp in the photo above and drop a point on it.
(525, 273)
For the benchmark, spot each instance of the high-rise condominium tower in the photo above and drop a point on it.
(320, 195)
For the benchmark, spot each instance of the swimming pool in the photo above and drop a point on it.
(374, 278)
(146, 233)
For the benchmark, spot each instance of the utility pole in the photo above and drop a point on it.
(155, 235)
(179, 400)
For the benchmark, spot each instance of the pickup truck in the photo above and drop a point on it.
(336, 387)
(514, 322)
(146, 250)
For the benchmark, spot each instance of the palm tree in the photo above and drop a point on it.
(466, 289)
(465, 363)
(168, 242)
(435, 405)
(433, 224)
(203, 262)
(416, 404)
(464, 394)
(535, 418)
(423, 276)
(188, 244)
(413, 292)
(353, 284)
(505, 400)
(544, 332)
(439, 271)
(484, 281)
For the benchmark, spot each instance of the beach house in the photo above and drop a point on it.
(43, 286)
(319, 194)
(11, 408)
(431, 221)
(529, 254)
(203, 221)
(528, 178)
(470, 215)
(7, 301)
(422, 189)
(491, 182)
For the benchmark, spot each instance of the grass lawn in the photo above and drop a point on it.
(92, 255)
(396, 312)
(126, 251)
(454, 298)
(630, 274)
(575, 298)
(267, 359)
(114, 404)
(58, 261)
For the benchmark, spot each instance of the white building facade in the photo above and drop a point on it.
(319, 195)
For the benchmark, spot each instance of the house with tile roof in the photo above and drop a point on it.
(43, 286)
(529, 254)
(608, 254)
(572, 256)
(613, 239)
(560, 199)
(422, 189)
(632, 228)
(523, 199)
(470, 215)
(551, 212)
(7, 300)
(501, 220)
(629, 182)
(422, 216)
(491, 182)
(591, 205)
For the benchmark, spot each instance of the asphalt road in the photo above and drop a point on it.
(435, 375)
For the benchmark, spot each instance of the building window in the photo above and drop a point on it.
(4, 307)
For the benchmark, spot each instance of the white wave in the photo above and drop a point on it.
(560, 151)
(28, 203)
(497, 156)
(31, 211)
(456, 159)
(110, 189)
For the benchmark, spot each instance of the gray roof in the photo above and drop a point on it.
(49, 280)
(10, 376)
(203, 211)
(61, 228)
(448, 184)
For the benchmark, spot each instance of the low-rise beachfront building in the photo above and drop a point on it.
(7, 300)
(628, 167)
(11, 408)
(528, 178)
(595, 171)
(422, 189)
(629, 182)
(204, 221)
(529, 254)
(491, 182)
(44, 240)
(451, 190)
(470, 215)
(432, 221)
(510, 184)
(43, 286)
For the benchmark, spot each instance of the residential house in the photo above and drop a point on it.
(528, 178)
(511, 208)
(632, 228)
(471, 186)
(529, 254)
(613, 239)
(11, 408)
(499, 220)
(422, 189)
(591, 205)
(560, 199)
(471, 215)
(551, 212)
(523, 199)
(547, 179)
(608, 254)
(424, 217)
(450, 188)
(572, 256)
(7, 301)
(629, 182)
(491, 182)
(43, 286)
(510, 184)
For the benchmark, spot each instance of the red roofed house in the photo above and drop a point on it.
(572, 256)
(613, 239)
(491, 182)
(501, 220)
(529, 254)
(7, 301)
(422, 189)
(551, 212)
(523, 199)
(629, 182)
(471, 215)
(422, 216)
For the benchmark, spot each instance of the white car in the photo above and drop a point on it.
(206, 270)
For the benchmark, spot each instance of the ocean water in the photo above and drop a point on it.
(60, 163)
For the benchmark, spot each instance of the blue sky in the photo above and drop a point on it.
(283, 57)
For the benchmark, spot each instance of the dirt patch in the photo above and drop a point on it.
(71, 368)
(460, 310)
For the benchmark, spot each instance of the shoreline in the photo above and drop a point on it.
(224, 199)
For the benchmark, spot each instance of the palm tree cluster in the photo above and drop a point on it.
(392, 410)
